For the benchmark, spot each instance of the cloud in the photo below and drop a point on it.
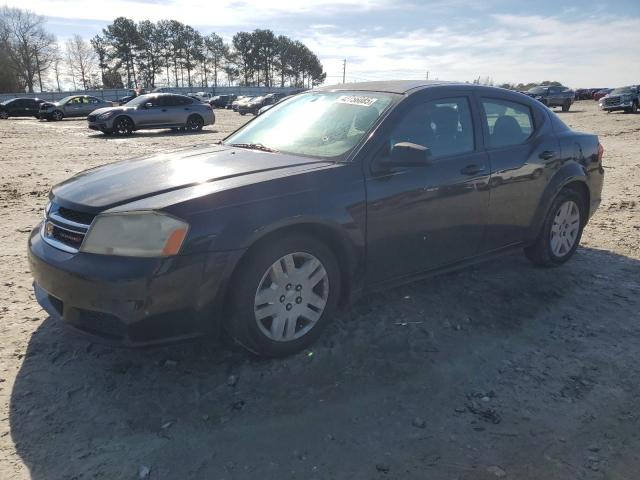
(196, 12)
(507, 48)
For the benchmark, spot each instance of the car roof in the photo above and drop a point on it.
(392, 86)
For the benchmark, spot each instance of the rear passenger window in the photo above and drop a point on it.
(444, 126)
(508, 123)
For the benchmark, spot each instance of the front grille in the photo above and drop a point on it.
(612, 102)
(65, 229)
(75, 216)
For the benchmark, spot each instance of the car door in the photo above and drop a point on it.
(153, 112)
(73, 107)
(421, 218)
(30, 107)
(16, 108)
(183, 108)
(89, 104)
(522, 151)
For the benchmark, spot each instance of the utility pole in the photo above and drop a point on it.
(427, 74)
(344, 70)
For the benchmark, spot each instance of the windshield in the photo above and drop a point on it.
(321, 124)
(538, 90)
(622, 91)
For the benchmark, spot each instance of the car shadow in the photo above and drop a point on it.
(151, 134)
(82, 410)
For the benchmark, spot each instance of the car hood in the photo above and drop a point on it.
(128, 181)
(119, 109)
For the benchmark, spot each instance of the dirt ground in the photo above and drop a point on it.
(500, 371)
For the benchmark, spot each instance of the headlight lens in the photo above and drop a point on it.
(135, 234)
(104, 116)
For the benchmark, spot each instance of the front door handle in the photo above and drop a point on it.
(472, 169)
(164, 109)
(547, 155)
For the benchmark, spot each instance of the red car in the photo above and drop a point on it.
(601, 93)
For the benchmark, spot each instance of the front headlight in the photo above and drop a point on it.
(135, 234)
(104, 116)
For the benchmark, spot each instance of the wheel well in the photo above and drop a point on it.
(123, 116)
(581, 189)
(337, 244)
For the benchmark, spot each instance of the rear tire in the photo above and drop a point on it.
(566, 106)
(194, 123)
(57, 115)
(561, 231)
(4, 115)
(283, 295)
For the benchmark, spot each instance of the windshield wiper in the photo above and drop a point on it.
(253, 146)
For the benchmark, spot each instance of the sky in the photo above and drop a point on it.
(582, 43)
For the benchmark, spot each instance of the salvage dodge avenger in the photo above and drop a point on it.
(329, 193)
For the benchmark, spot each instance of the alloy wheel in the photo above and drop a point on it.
(4, 115)
(194, 124)
(291, 297)
(57, 115)
(123, 126)
(565, 228)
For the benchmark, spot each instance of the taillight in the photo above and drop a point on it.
(600, 152)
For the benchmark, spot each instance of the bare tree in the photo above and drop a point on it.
(81, 59)
(57, 64)
(30, 45)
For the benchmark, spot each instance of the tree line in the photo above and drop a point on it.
(148, 54)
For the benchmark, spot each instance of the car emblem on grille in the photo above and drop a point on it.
(48, 229)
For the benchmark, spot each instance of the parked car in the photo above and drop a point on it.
(126, 99)
(553, 96)
(267, 107)
(623, 98)
(336, 191)
(222, 101)
(154, 110)
(200, 96)
(20, 107)
(257, 103)
(235, 105)
(72, 106)
(602, 93)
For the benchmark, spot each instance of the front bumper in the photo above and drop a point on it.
(618, 106)
(131, 301)
(99, 126)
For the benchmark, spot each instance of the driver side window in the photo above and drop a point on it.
(443, 126)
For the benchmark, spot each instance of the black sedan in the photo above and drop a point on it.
(20, 107)
(329, 193)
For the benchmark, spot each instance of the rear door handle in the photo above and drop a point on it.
(164, 109)
(547, 155)
(472, 169)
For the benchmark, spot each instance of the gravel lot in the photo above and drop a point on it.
(501, 371)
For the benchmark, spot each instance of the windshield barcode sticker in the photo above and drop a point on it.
(357, 100)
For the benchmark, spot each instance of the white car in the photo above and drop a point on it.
(202, 96)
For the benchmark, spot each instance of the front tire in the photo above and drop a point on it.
(57, 115)
(123, 126)
(561, 231)
(283, 295)
(4, 115)
(566, 106)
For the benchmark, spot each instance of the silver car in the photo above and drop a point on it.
(73, 106)
(154, 110)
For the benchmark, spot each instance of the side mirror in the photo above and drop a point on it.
(148, 105)
(407, 154)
